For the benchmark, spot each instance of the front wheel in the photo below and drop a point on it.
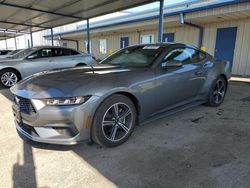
(217, 92)
(114, 121)
(8, 78)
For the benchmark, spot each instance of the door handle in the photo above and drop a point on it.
(208, 64)
(199, 72)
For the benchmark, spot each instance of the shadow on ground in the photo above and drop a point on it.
(24, 173)
(6, 93)
(200, 147)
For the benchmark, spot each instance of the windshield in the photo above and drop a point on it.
(135, 56)
(14, 52)
(23, 53)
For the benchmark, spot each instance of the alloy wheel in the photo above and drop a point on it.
(219, 91)
(9, 79)
(117, 122)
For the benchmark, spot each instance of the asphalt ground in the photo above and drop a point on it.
(199, 147)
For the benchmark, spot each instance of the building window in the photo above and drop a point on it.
(103, 46)
(168, 37)
(89, 46)
(124, 42)
(146, 39)
(65, 44)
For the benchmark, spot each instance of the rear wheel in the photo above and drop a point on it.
(217, 92)
(114, 121)
(9, 77)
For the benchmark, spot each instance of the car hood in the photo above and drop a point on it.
(8, 60)
(74, 82)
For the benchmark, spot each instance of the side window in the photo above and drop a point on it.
(43, 53)
(185, 55)
(179, 54)
(198, 56)
(73, 52)
(67, 52)
(58, 52)
(64, 52)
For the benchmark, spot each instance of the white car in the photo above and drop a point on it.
(38, 59)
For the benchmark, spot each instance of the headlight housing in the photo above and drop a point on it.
(40, 103)
(65, 101)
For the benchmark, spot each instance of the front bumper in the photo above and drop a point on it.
(55, 124)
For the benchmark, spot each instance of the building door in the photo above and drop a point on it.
(168, 37)
(225, 43)
(124, 42)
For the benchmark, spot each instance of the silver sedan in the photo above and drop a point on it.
(38, 59)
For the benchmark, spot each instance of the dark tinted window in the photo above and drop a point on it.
(73, 52)
(64, 52)
(185, 55)
(5, 52)
(198, 56)
(43, 53)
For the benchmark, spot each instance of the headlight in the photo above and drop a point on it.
(66, 101)
(39, 104)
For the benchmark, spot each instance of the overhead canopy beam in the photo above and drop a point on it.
(40, 10)
(57, 13)
(13, 31)
(23, 24)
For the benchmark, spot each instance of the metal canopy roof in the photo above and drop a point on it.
(36, 15)
(5, 34)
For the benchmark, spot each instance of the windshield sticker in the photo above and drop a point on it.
(151, 47)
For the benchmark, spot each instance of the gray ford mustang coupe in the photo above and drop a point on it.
(104, 103)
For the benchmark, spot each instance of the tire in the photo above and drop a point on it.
(9, 77)
(217, 92)
(109, 130)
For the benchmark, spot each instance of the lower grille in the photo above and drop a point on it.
(25, 105)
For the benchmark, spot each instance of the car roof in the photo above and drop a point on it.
(166, 44)
(47, 46)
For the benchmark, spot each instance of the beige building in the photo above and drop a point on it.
(222, 27)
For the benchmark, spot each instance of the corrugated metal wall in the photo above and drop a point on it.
(241, 63)
(188, 35)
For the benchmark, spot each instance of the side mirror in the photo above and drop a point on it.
(171, 63)
(31, 57)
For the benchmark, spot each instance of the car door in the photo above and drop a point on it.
(178, 85)
(40, 60)
(65, 58)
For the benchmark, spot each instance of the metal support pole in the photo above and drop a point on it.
(31, 39)
(201, 33)
(88, 37)
(29, 43)
(6, 45)
(15, 42)
(77, 45)
(52, 36)
(160, 31)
